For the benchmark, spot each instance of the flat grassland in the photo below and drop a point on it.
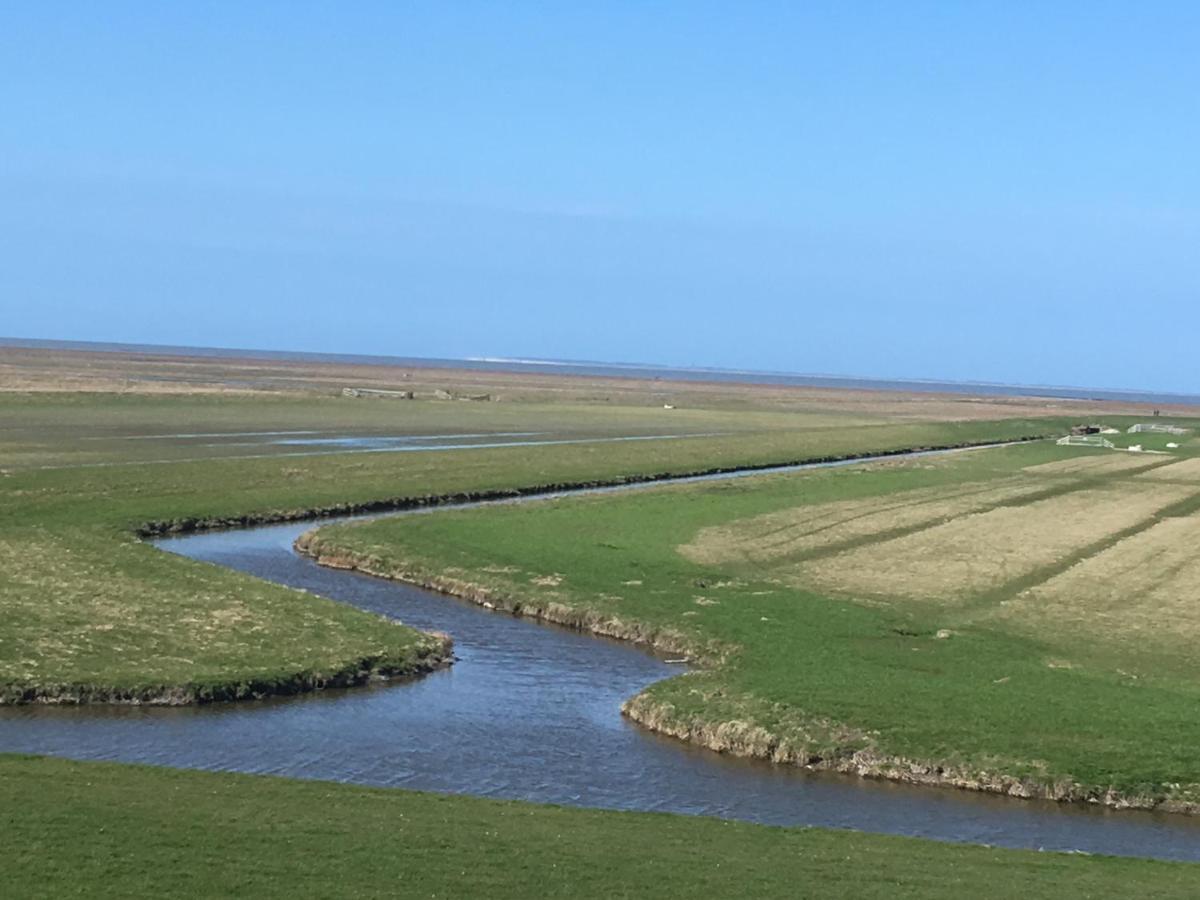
(135, 831)
(90, 612)
(1021, 620)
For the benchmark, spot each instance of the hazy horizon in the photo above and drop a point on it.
(615, 365)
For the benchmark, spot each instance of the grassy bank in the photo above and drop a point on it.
(88, 612)
(136, 831)
(91, 613)
(1018, 620)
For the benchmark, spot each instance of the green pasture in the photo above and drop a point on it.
(102, 830)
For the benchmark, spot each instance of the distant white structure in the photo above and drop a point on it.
(1134, 448)
(376, 392)
(1155, 428)
(1085, 440)
(1171, 445)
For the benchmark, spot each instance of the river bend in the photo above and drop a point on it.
(532, 712)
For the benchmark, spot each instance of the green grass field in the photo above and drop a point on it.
(89, 611)
(1019, 619)
(98, 829)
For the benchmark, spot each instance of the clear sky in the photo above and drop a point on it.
(969, 190)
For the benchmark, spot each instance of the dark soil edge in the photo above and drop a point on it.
(436, 653)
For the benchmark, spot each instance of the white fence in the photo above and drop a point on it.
(1085, 440)
(1155, 428)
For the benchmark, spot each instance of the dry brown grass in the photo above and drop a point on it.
(951, 562)
(1187, 470)
(85, 608)
(1104, 462)
(43, 369)
(804, 529)
(1145, 588)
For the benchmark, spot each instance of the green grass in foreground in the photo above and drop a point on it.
(98, 829)
(1101, 702)
(87, 610)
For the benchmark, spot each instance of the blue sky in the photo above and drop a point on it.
(988, 191)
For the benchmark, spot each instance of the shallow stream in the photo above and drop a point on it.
(532, 712)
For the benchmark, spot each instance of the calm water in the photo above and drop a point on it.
(532, 712)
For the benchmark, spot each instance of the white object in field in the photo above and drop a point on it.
(1155, 428)
(1171, 445)
(1084, 440)
(1135, 448)
(668, 406)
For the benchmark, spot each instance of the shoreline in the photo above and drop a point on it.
(241, 687)
(746, 740)
(736, 738)
(662, 640)
(436, 652)
(192, 524)
(740, 738)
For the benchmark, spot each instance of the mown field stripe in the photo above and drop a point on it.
(1042, 574)
(854, 543)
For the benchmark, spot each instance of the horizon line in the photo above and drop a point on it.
(331, 355)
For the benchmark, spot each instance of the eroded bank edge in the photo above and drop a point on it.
(434, 651)
(855, 754)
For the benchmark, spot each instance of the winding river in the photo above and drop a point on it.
(531, 712)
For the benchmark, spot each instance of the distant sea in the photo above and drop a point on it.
(627, 370)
